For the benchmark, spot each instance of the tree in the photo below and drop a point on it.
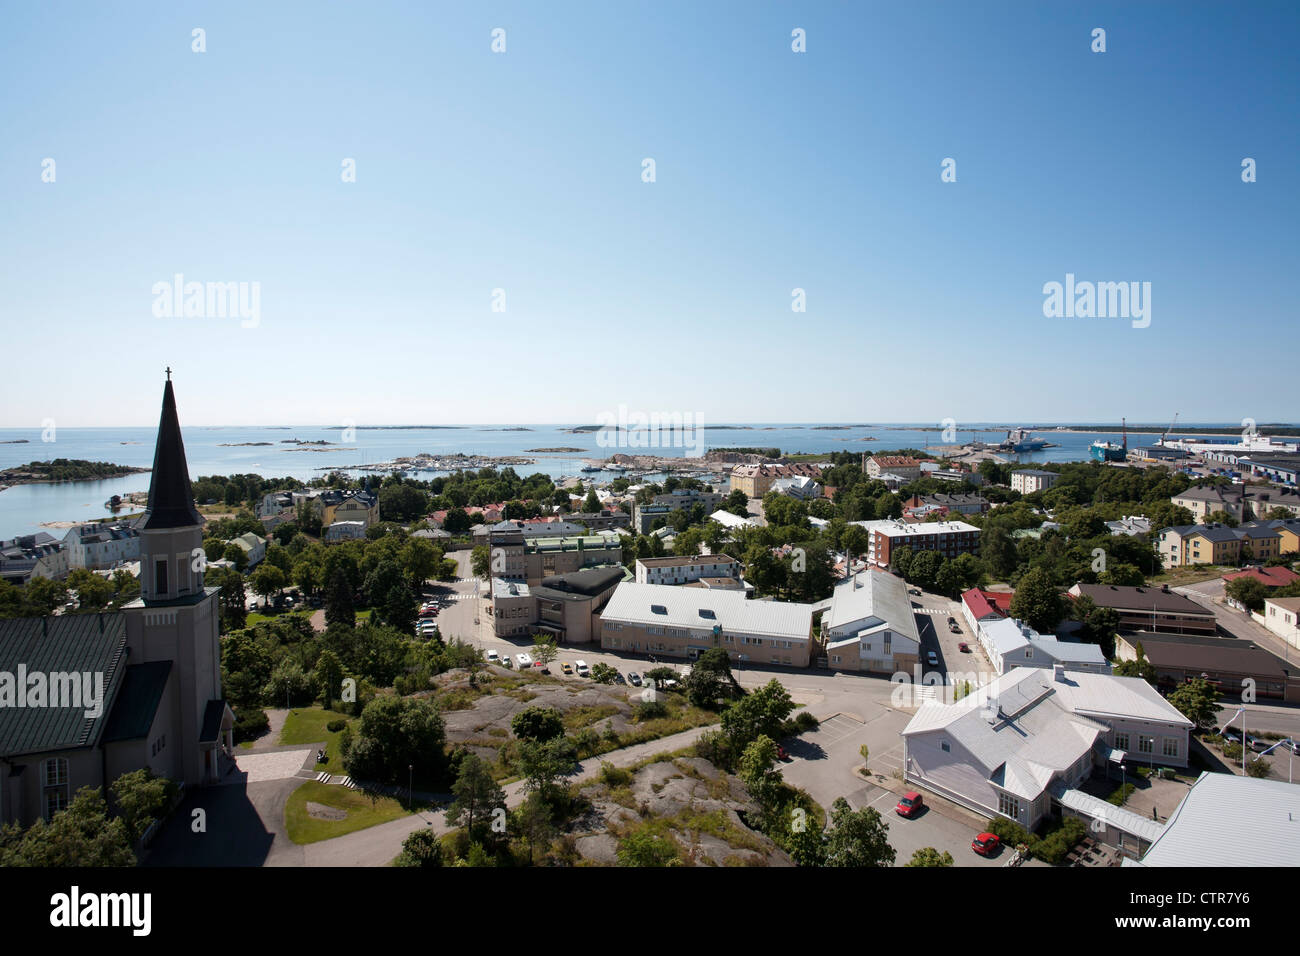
(141, 799)
(232, 602)
(865, 752)
(644, 847)
(480, 561)
(711, 679)
(737, 502)
(236, 556)
(393, 733)
(764, 783)
(93, 591)
(542, 763)
(1197, 701)
(421, 848)
(419, 559)
(856, 540)
(603, 674)
(545, 649)
(82, 835)
(1248, 592)
(592, 504)
(533, 821)
(1038, 602)
(1098, 624)
(857, 838)
(477, 797)
(1138, 667)
(338, 600)
(929, 856)
(329, 675)
(538, 724)
(758, 714)
(267, 580)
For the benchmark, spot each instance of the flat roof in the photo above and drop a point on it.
(663, 605)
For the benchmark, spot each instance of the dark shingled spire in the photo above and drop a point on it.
(171, 501)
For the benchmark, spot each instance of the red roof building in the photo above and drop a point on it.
(1274, 577)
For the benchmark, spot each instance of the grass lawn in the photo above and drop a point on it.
(1190, 574)
(307, 725)
(361, 809)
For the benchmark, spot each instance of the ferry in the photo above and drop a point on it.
(1020, 439)
(1108, 450)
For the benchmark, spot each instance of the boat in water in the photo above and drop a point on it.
(1108, 451)
(1020, 439)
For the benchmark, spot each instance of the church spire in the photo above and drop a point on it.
(171, 500)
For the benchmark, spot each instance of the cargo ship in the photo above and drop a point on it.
(1020, 439)
(1109, 451)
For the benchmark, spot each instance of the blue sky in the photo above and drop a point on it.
(522, 171)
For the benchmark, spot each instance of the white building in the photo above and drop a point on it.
(99, 546)
(1010, 643)
(254, 548)
(870, 625)
(1029, 738)
(1029, 480)
(684, 570)
(1282, 617)
(345, 531)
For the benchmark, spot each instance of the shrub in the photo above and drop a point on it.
(650, 710)
(806, 721)
(1053, 847)
(334, 726)
(1232, 750)
(613, 776)
(250, 724)
(1121, 794)
(1008, 831)
(1257, 768)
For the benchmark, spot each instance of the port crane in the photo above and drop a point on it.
(1168, 430)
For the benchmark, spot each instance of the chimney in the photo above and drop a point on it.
(1058, 673)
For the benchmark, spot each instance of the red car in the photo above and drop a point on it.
(781, 754)
(986, 844)
(964, 647)
(910, 805)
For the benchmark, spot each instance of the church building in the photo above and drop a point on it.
(85, 698)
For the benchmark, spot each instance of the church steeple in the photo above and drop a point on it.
(171, 499)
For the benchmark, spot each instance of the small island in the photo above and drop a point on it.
(559, 450)
(64, 469)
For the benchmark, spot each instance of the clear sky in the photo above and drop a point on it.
(522, 171)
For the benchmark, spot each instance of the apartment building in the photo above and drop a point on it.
(683, 622)
(949, 538)
(564, 606)
(905, 467)
(97, 547)
(1282, 617)
(28, 556)
(684, 570)
(1216, 543)
(757, 480)
(1028, 480)
(549, 557)
(679, 499)
(953, 504)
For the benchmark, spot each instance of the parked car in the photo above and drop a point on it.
(493, 656)
(1230, 733)
(1258, 744)
(932, 658)
(914, 591)
(781, 754)
(986, 844)
(566, 667)
(525, 660)
(954, 626)
(964, 647)
(910, 805)
(634, 679)
(505, 661)
(582, 669)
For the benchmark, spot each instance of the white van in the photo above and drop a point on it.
(582, 668)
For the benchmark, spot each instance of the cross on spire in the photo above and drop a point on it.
(169, 373)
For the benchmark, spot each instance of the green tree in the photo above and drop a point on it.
(758, 714)
(328, 675)
(394, 733)
(929, 856)
(141, 799)
(82, 835)
(857, 838)
(267, 580)
(538, 724)
(421, 848)
(545, 650)
(1138, 667)
(711, 680)
(603, 674)
(1248, 592)
(236, 556)
(542, 763)
(1038, 601)
(757, 770)
(592, 504)
(477, 797)
(1197, 701)
(481, 561)
(338, 600)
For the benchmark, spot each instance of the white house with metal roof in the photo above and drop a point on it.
(1014, 746)
(870, 625)
(686, 621)
(1010, 643)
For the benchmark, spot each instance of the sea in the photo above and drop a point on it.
(26, 509)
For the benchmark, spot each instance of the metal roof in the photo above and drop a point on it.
(668, 606)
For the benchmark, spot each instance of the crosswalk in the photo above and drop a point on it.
(932, 610)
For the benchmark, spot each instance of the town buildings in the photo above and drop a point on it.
(682, 622)
(1010, 643)
(29, 556)
(1217, 543)
(1282, 617)
(951, 504)
(566, 606)
(661, 507)
(1236, 500)
(1226, 662)
(689, 569)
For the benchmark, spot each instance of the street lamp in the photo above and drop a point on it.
(410, 785)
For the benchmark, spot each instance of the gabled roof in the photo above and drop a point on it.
(171, 500)
(80, 643)
(873, 597)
